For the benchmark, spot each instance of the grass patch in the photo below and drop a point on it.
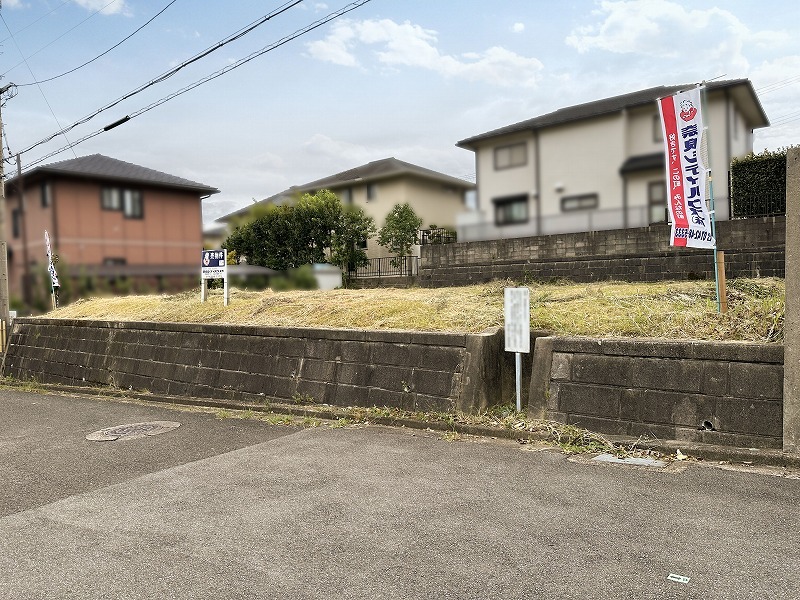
(607, 309)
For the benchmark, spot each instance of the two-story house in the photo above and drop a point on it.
(598, 165)
(377, 186)
(106, 219)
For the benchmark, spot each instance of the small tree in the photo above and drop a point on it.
(399, 231)
(353, 228)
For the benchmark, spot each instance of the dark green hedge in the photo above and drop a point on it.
(758, 184)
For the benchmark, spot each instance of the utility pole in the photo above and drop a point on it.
(4, 316)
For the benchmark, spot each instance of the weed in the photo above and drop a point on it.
(299, 398)
(451, 436)
(341, 422)
(309, 422)
(224, 414)
(278, 419)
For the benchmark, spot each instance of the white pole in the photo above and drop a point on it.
(518, 357)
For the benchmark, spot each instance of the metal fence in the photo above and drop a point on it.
(762, 205)
(429, 237)
(389, 266)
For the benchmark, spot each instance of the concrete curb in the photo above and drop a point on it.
(703, 452)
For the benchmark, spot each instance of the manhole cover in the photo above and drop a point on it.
(132, 431)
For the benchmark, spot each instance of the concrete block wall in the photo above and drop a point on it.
(753, 248)
(719, 393)
(409, 370)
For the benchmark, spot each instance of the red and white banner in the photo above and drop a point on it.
(682, 124)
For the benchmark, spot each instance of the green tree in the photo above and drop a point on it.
(400, 231)
(352, 230)
(291, 235)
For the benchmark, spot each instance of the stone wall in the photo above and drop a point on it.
(753, 248)
(409, 370)
(719, 393)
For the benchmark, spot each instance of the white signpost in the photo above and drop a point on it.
(517, 312)
(214, 265)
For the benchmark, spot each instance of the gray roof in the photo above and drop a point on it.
(742, 90)
(376, 170)
(97, 166)
(381, 169)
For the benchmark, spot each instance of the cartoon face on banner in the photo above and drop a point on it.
(688, 111)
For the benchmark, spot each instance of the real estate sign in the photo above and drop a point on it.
(682, 124)
(214, 265)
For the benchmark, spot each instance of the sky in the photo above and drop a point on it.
(401, 78)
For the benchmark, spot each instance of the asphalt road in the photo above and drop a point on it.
(240, 509)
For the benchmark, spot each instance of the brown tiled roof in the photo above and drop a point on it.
(97, 166)
(612, 105)
(373, 171)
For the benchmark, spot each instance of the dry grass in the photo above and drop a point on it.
(610, 309)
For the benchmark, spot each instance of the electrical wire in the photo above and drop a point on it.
(777, 85)
(41, 91)
(167, 74)
(88, 62)
(25, 58)
(308, 28)
(32, 23)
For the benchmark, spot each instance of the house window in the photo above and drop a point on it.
(114, 261)
(658, 133)
(47, 198)
(111, 199)
(362, 244)
(510, 210)
(372, 191)
(15, 222)
(582, 202)
(506, 157)
(346, 196)
(132, 206)
(657, 201)
(128, 201)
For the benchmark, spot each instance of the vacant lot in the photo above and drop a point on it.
(685, 309)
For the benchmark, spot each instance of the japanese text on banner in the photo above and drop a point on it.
(682, 124)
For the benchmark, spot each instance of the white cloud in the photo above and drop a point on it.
(518, 27)
(659, 28)
(105, 8)
(409, 45)
(13, 4)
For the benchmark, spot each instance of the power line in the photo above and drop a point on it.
(777, 85)
(123, 40)
(25, 58)
(308, 28)
(32, 23)
(167, 74)
(41, 91)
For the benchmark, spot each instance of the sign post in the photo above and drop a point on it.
(214, 265)
(688, 178)
(517, 313)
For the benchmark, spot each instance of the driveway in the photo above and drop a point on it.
(242, 509)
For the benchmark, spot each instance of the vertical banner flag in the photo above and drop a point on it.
(51, 268)
(682, 124)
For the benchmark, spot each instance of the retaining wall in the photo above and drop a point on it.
(718, 393)
(753, 248)
(408, 370)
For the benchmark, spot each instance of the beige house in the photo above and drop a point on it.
(598, 165)
(377, 186)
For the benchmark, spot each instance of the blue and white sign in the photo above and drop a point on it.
(214, 264)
